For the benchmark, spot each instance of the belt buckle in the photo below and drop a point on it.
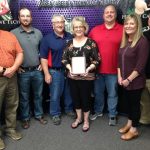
(29, 69)
(32, 68)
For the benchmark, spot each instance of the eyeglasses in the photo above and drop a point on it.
(59, 22)
(79, 27)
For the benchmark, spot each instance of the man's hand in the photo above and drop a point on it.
(40, 68)
(1, 69)
(9, 72)
(48, 78)
(120, 80)
(20, 70)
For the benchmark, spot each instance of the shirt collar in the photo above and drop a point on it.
(57, 37)
(114, 27)
(22, 30)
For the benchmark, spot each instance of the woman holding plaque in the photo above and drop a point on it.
(132, 59)
(81, 59)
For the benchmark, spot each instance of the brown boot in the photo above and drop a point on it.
(124, 129)
(14, 134)
(25, 124)
(129, 135)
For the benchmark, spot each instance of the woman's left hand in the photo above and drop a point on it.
(86, 72)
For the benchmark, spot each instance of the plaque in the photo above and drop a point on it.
(78, 65)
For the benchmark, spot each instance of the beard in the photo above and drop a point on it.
(25, 23)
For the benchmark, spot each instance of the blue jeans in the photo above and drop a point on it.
(109, 82)
(68, 103)
(30, 80)
(56, 89)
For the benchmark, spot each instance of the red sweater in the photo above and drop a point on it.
(108, 41)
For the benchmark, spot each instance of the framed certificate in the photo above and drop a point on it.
(78, 65)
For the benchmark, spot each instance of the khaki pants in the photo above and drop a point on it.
(9, 95)
(145, 104)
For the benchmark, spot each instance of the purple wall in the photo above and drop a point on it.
(92, 11)
(42, 17)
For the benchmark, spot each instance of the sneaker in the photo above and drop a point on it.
(56, 120)
(14, 135)
(2, 145)
(93, 117)
(71, 114)
(112, 121)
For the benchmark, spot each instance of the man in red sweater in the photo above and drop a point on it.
(108, 37)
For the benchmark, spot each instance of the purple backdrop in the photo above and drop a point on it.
(42, 16)
(92, 12)
(91, 9)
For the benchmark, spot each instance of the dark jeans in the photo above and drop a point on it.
(133, 97)
(81, 94)
(30, 80)
(108, 81)
(68, 103)
(56, 89)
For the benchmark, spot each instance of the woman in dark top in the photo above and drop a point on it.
(81, 84)
(145, 98)
(132, 59)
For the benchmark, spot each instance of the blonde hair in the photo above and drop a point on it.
(137, 34)
(83, 22)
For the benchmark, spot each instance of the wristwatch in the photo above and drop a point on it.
(4, 69)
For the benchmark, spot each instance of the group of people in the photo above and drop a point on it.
(113, 54)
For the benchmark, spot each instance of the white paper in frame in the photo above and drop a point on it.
(78, 65)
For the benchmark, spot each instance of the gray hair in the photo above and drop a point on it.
(57, 16)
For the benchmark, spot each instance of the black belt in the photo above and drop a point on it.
(57, 68)
(30, 68)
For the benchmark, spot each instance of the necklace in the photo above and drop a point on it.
(76, 52)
